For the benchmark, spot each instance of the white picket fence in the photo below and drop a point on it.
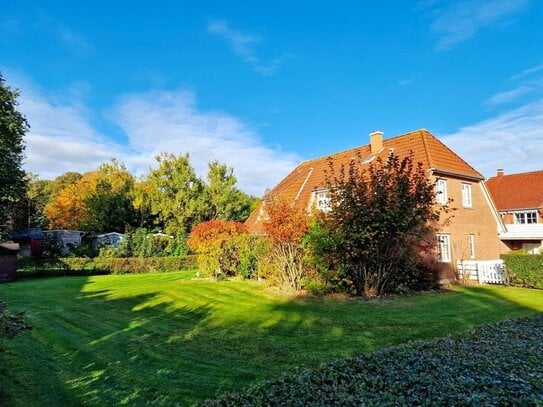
(482, 271)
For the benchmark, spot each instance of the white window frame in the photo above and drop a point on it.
(466, 196)
(441, 191)
(521, 217)
(443, 248)
(324, 200)
(471, 242)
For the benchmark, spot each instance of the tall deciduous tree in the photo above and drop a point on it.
(379, 217)
(99, 201)
(222, 199)
(109, 206)
(13, 127)
(174, 193)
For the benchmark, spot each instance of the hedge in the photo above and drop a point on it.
(103, 265)
(494, 364)
(524, 270)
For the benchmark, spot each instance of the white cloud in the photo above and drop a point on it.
(171, 121)
(62, 137)
(513, 140)
(462, 20)
(244, 45)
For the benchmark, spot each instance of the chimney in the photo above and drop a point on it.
(499, 173)
(376, 142)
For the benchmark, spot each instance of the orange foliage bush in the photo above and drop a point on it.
(218, 246)
(286, 228)
(285, 224)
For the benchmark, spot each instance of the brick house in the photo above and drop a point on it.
(472, 230)
(519, 199)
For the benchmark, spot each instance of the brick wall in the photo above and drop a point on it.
(8, 267)
(478, 221)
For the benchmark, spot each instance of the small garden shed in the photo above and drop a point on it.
(8, 261)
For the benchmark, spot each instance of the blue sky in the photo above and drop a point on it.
(263, 85)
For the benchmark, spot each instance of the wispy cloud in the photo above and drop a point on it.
(460, 21)
(512, 140)
(62, 137)
(76, 43)
(527, 84)
(509, 96)
(528, 72)
(244, 46)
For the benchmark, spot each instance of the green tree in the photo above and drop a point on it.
(222, 199)
(380, 223)
(109, 207)
(175, 194)
(13, 127)
(37, 195)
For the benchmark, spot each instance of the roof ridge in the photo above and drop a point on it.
(363, 145)
(516, 174)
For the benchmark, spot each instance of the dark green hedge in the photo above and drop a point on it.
(524, 270)
(492, 365)
(100, 265)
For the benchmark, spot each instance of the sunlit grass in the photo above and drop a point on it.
(167, 338)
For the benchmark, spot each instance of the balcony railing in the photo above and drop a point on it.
(532, 231)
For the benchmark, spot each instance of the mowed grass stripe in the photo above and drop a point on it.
(165, 338)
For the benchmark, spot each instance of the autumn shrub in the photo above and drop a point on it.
(218, 246)
(286, 227)
(374, 238)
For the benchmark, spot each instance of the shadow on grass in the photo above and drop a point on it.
(184, 341)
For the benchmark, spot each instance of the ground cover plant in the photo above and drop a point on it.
(167, 338)
(494, 364)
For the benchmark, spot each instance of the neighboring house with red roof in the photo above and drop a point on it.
(470, 234)
(519, 199)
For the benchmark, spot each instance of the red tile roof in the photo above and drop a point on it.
(309, 175)
(517, 191)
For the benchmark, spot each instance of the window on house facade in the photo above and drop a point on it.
(466, 195)
(324, 201)
(526, 217)
(471, 239)
(443, 248)
(441, 191)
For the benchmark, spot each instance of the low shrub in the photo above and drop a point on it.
(103, 265)
(524, 270)
(494, 364)
(11, 325)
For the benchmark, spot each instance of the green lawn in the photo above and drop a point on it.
(164, 338)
